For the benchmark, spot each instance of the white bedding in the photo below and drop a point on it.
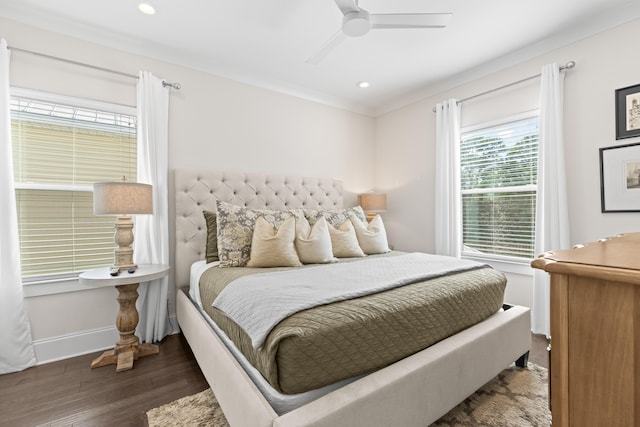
(281, 403)
(257, 303)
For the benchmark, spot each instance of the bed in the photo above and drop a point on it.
(415, 390)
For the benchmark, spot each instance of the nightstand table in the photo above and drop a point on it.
(128, 347)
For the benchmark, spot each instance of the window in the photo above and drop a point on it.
(499, 163)
(61, 146)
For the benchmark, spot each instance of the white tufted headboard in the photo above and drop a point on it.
(198, 190)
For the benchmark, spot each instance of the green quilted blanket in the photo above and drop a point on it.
(325, 344)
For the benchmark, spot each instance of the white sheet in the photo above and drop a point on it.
(281, 403)
(197, 270)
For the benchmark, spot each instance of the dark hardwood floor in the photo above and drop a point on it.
(539, 354)
(70, 393)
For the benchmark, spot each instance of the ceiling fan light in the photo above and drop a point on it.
(356, 24)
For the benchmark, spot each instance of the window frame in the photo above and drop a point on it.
(509, 264)
(65, 282)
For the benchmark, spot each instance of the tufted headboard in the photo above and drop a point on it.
(198, 190)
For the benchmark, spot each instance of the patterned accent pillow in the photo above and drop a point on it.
(211, 250)
(235, 231)
(335, 217)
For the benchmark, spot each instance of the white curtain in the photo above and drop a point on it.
(16, 349)
(448, 202)
(151, 243)
(552, 215)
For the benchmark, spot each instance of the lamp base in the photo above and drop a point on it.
(123, 254)
(370, 216)
(123, 260)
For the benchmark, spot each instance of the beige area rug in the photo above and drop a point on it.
(515, 398)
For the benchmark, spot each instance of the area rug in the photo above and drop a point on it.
(515, 398)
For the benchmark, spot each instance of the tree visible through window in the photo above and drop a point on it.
(499, 165)
(61, 146)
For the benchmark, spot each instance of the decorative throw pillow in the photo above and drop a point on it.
(211, 249)
(344, 241)
(335, 217)
(313, 243)
(274, 248)
(372, 238)
(235, 231)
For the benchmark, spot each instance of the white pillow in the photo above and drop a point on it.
(313, 243)
(344, 241)
(274, 248)
(373, 237)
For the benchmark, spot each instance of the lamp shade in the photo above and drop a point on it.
(373, 202)
(122, 198)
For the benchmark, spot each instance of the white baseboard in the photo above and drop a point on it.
(66, 346)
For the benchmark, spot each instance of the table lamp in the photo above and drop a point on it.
(123, 199)
(372, 203)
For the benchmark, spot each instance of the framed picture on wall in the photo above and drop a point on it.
(620, 178)
(628, 112)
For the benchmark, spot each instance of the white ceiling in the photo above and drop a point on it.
(266, 42)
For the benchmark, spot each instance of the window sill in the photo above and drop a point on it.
(51, 287)
(504, 264)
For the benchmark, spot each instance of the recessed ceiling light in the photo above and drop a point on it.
(147, 8)
(363, 85)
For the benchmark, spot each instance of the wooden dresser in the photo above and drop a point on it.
(595, 333)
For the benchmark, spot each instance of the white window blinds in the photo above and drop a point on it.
(498, 185)
(60, 148)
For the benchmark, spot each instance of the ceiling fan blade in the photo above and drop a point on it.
(334, 41)
(410, 20)
(347, 6)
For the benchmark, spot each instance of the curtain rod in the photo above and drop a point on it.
(176, 86)
(569, 65)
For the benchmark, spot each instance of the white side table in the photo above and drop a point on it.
(128, 347)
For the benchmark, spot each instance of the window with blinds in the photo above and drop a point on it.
(61, 146)
(499, 164)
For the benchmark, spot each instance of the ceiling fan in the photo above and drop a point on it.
(357, 22)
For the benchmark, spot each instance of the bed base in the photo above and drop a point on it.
(414, 391)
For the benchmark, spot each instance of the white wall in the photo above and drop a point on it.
(221, 124)
(213, 123)
(405, 140)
